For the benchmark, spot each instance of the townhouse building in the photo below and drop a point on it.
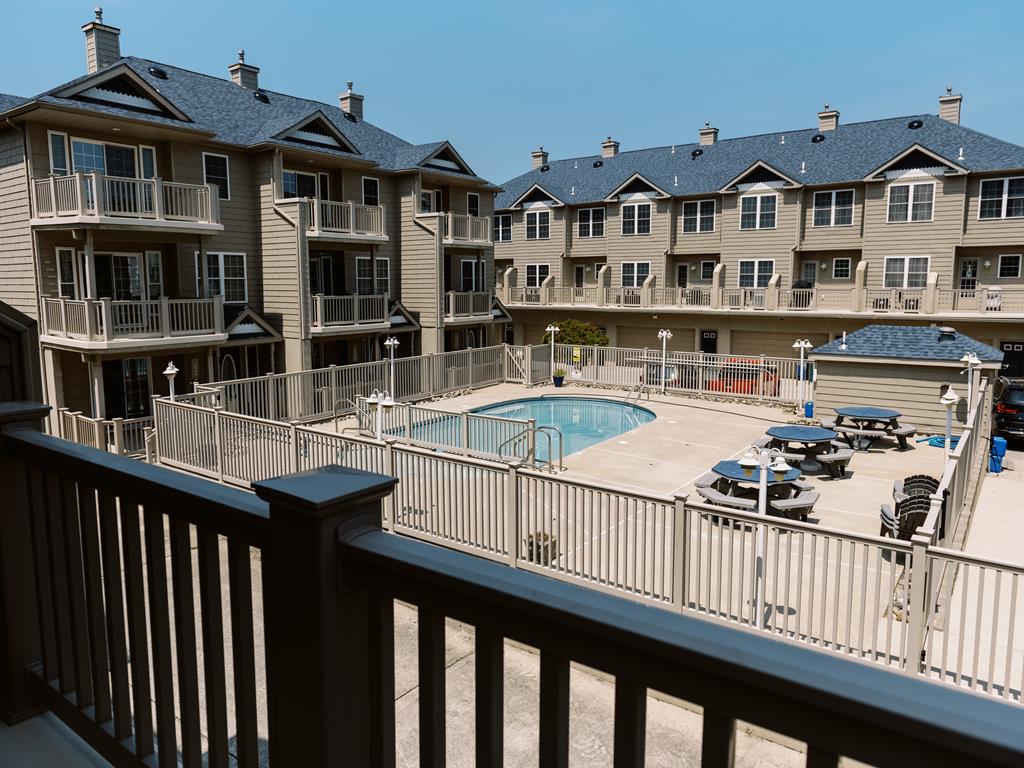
(150, 214)
(745, 245)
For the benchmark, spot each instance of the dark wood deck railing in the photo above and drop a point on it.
(94, 628)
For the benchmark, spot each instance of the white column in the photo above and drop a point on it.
(90, 266)
(96, 394)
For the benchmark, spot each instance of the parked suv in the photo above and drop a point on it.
(1010, 407)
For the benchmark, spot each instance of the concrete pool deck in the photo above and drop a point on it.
(690, 435)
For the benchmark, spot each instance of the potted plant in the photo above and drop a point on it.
(541, 548)
(558, 376)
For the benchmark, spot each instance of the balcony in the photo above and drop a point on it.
(462, 229)
(106, 324)
(467, 306)
(301, 584)
(333, 315)
(345, 222)
(116, 202)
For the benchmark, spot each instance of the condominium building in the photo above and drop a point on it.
(744, 245)
(150, 214)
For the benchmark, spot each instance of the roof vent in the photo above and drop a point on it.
(545, 168)
(158, 73)
(261, 96)
(598, 163)
(696, 153)
(817, 138)
(946, 333)
(350, 117)
(915, 124)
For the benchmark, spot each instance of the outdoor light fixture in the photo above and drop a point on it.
(972, 361)
(391, 343)
(949, 399)
(749, 464)
(803, 345)
(664, 334)
(551, 331)
(170, 372)
(988, 263)
(824, 266)
(780, 468)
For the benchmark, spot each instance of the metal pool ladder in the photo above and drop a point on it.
(636, 392)
(546, 430)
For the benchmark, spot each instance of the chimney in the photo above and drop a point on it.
(828, 119)
(245, 75)
(949, 106)
(708, 135)
(538, 157)
(609, 147)
(351, 102)
(102, 43)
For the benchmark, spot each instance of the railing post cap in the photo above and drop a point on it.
(324, 491)
(22, 411)
(681, 495)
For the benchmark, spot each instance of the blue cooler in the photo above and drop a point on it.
(996, 454)
(809, 410)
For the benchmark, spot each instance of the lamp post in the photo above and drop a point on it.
(391, 342)
(551, 331)
(803, 345)
(972, 361)
(764, 460)
(949, 399)
(170, 372)
(664, 334)
(381, 401)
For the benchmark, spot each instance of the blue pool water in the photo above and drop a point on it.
(583, 421)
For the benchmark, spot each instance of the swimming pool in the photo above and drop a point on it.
(583, 421)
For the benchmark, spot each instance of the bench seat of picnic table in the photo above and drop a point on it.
(828, 424)
(836, 461)
(797, 507)
(720, 499)
(861, 432)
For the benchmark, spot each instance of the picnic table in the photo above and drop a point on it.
(861, 425)
(810, 440)
(787, 496)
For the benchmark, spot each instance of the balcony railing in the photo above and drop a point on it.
(463, 304)
(348, 218)
(341, 311)
(102, 196)
(307, 579)
(126, 437)
(108, 320)
(894, 300)
(981, 300)
(463, 228)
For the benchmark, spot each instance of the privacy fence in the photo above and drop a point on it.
(870, 597)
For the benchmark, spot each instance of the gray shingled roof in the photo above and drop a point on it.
(218, 106)
(912, 342)
(849, 153)
(7, 101)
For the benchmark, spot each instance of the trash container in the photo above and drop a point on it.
(809, 410)
(996, 454)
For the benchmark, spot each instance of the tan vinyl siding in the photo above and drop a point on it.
(421, 284)
(988, 277)
(587, 247)
(17, 270)
(547, 251)
(741, 244)
(650, 248)
(696, 242)
(281, 281)
(838, 237)
(646, 337)
(769, 344)
(994, 232)
(824, 276)
(936, 238)
(911, 389)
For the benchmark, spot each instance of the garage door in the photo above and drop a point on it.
(770, 344)
(635, 337)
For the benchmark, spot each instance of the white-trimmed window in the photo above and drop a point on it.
(707, 270)
(842, 268)
(755, 273)
(634, 273)
(906, 271)
(147, 162)
(59, 161)
(226, 275)
(538, 225)
(67, 274)
(911, 202)
(215, 171)
(371, 190)
(758, 211)
(472, 203)
(154, 275)
(590, 222)
(299, 184)
(382, 275)
(834, 208)
(1009, 265)
(373, 275)
(636, 219)
(502, 227)
(536, 274)
(473, 274)
(1001, 199)
(430, 201)
(699, 216)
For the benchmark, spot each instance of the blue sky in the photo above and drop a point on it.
(497, 79)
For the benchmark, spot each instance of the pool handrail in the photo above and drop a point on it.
(534, 431)
(561, 447)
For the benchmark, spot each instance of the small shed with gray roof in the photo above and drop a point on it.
(903, 367)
